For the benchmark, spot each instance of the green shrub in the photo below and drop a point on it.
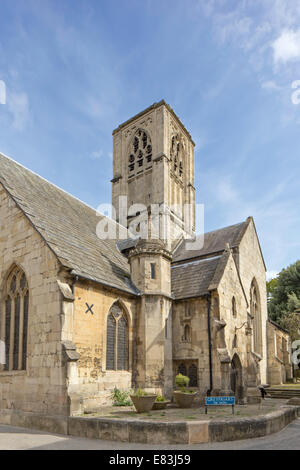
(139, 393)
(160, 398)
(182, 381)
(120, 398)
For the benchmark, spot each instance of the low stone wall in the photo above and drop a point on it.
(180, 432)
(53, 424)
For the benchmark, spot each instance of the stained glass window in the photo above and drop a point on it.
(110, 342)
(7, 331)
(122, 362)
(16, 333)
(16, 319)
(117, 340)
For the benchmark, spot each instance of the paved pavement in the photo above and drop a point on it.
(12, 438)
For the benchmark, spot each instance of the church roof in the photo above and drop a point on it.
(67, 225)
(214, 242)
(194, 279)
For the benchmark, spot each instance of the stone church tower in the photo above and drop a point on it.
(153, 163)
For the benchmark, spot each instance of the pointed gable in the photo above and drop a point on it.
(67, 225)
(214, 242)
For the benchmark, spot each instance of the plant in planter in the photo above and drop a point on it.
(120, 398)
(160, 403)
(142, 401)
(183, 397)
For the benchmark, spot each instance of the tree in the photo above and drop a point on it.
(271, 286)
(285, 296)
(291, 323)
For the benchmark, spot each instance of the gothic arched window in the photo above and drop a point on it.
(117, 339)
(16, 306)
(256, 315)
(140, 152)
(176, 154)
(182, 369)
(193, 375)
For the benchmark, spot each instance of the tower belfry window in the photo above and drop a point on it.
(140, 148)
(176, 154)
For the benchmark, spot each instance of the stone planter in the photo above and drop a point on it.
(184, 400)
(160, 405)
(144, 403)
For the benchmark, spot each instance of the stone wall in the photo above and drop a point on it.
(229, 333)
(89, 379)
(41, 388)
(235, 336)
(194, 349)
(279, 360)
(251, 266)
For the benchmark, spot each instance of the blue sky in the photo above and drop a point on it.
(75, 69)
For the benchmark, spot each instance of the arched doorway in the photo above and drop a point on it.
(236, 378)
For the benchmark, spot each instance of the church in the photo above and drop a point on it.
(81, 313)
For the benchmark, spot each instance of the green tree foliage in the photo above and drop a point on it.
(271, 286)
(291, 323)
(285, 297)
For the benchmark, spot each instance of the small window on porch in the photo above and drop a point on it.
(153, 271)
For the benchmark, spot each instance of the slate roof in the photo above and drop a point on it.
(277, 325)
(214, 242)
(125, 245)
(67, 225)
(194, 279)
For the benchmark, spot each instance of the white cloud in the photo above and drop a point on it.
(270, 85)
(98, 154)
(271, 274)
(287, 46)
(226, 192)
(2, 92)
(18, 106)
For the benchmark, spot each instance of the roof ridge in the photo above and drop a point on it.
(66, 224)
(59, 188)
(222, 228)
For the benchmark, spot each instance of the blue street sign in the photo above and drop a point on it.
(219, 401)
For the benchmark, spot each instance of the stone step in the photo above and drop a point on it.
(283, 393)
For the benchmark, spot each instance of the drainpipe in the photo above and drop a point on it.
(208, 298)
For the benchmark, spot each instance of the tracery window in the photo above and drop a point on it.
(15, 320)
(182, 369)
(191, 371)
(176, 155)
(193, 375)
(117, 339)
(256, 314)
(140, 153)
